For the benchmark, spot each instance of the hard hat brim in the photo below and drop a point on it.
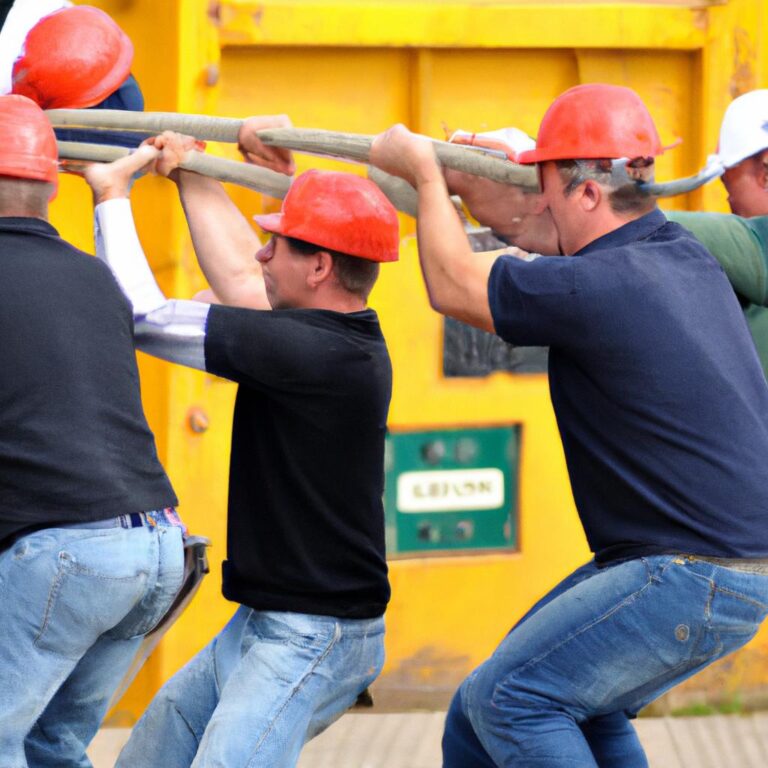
(270, 222)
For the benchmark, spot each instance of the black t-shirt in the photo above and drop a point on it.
(306, 519)
(659, 395)
(74, 443)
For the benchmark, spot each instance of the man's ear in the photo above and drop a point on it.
(321, 269)
(590, 195)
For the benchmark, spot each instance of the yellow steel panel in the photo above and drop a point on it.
(462, 24)
(352, 89)
(155, 29)
(480, 90)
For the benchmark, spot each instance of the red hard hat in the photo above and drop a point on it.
(27, 142)
(595, 121)
(73, 58)
(338, 211)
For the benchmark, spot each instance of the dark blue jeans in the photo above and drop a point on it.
(561, 688)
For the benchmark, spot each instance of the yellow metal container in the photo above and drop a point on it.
(436, 66)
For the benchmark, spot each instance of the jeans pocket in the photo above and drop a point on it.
(82, 605)
(735, 618)
(300, 630)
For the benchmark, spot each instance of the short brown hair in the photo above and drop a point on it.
(624, 195)
(355, 275)
(24, 196)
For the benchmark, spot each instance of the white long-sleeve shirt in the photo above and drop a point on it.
(172, 329)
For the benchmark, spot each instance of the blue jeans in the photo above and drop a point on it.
(561, 688)
(74, 604)
(266, 684)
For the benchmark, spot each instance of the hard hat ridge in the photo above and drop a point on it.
(338, 211)
(27, 142)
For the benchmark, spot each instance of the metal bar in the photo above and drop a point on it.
(712, 170)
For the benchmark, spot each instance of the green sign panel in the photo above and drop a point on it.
(451, 490)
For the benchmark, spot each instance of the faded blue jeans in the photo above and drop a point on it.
(265, 685)
(74, 605)
(562, 687)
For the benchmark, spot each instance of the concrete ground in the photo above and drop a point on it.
(412, 740)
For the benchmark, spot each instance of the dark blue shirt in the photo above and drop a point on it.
(656, 385)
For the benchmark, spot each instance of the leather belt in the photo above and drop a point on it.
(746, 564)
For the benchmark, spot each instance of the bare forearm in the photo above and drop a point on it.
(224, 242)
(456, 278)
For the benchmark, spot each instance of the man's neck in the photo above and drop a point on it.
(342, 305)
(608, 222)
(22, 213)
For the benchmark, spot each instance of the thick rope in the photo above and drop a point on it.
(251, 176)
(348, 146)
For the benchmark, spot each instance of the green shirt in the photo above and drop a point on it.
(741, 247)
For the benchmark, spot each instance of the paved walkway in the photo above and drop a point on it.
(412, 740)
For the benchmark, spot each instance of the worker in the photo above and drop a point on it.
(738, 242)
(17, 17)
(305, 552)
(91, 552)
(64, 56)
(743, 151)
(663, 413)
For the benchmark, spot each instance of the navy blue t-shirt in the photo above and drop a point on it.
(659, 395)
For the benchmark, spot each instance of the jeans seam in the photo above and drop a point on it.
(95, 575)
(657, 577)
(742, 597)
(297, 687)
(61, 573)
(624, 602)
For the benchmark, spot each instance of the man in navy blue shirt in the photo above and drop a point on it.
(663, 412)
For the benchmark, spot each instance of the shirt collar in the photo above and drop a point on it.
(27, 224)
(632, 231)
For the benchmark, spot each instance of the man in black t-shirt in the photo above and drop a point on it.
(91, 552)
(305, 540)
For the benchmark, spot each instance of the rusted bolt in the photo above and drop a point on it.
(198, 420)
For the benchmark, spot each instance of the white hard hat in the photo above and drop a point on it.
(744, 130)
